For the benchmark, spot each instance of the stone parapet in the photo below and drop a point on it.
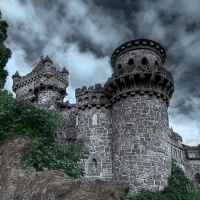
(91, 96)
(138, 44)
(159, 84)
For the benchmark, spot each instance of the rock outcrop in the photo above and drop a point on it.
(17, 182)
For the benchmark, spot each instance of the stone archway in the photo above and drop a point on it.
(94, 165)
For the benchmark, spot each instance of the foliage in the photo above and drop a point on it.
(21, 118)
(4, 52)
(179, 188)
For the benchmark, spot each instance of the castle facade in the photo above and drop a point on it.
(124, 124)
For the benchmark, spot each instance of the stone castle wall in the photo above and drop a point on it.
(94, 127)
(124, 124)
(141, 152)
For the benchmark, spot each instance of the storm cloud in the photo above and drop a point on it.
(82, 34)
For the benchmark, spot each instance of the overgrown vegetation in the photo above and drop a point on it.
(5, 53)
(178, 188)
(20, 118)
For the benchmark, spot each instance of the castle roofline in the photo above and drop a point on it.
(38, 66)
(138, 43)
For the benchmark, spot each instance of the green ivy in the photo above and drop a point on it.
(21, 118)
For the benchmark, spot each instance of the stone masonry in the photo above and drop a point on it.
(124, 124)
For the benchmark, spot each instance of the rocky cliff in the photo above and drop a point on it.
(17, 182)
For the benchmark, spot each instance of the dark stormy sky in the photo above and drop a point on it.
(82, 34)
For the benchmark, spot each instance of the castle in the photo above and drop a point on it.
(124, 124)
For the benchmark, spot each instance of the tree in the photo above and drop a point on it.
(5, 53)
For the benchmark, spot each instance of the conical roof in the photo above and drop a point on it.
(47, 59)
(16, 74)
(40, 64)
(64, 70)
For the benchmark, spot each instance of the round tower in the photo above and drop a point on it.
(94, 129)
(138, 93)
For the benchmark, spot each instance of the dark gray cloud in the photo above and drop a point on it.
(82, 34)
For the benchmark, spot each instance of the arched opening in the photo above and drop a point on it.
(145, 61)
(131, 61)
(102, 99)
(119, 66)
(156, 63)
(86, 100)
(94, 165)
(76, 120)
(94, 99)
(197, 178)
(79, 101)
(94, 119)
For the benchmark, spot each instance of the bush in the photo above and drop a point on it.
(21, 118)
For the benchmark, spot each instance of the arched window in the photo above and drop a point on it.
(76, 120)
(80, 102)
(102, 99)
(145, 61)
(156, 63)
(94, 99)
(94, 119)
(197, 178)
(119, 66)
(131, 61)
(94, 165)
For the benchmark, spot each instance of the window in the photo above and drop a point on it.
(145, 61)
(119, 66)
(131, 61)
(94, 99)
(80, 102)
(197, 178)
(156, 63)
(76, 120)
(94, 165)
(94, 119)
(102, 99)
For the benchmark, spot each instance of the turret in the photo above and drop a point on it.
(47, 62)
(65, 73)
(138, 93)
(16, 79)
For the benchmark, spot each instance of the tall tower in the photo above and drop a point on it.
(44, 86)
(139, 92)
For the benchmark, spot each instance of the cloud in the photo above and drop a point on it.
(82, 35)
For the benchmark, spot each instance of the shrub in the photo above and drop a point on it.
(179, 188)
(21, 118)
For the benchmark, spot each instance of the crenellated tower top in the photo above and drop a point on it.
(136, 45)
(138, 68)
(43, 81)
(91, 96)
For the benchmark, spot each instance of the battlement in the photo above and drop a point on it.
(158, 83)
(42, 75)
(138, 44)
(91, 96)
(192, 153)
